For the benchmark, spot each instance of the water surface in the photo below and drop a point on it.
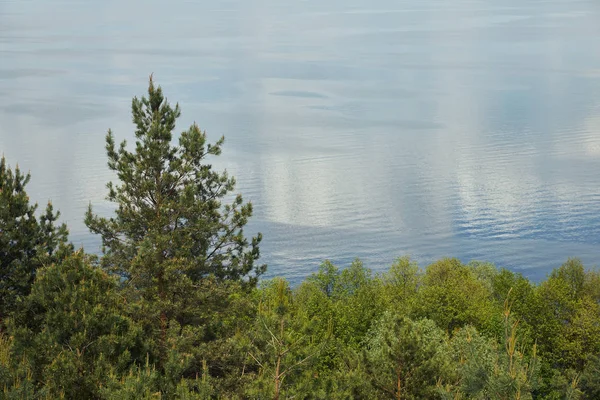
(361, 128)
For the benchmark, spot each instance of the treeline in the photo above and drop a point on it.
(174, 308)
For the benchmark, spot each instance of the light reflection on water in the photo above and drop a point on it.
(368, 129)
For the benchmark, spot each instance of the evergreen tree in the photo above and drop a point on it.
(174, 237)
(26, 243)
(407, 359)
(170, 202)
(72, 330)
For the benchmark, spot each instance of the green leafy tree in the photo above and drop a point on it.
(173, 229)
(590, 379)
(582, 334)
(358, 303)
(453, 296)
(591, 286)
(565, 318)
(521, 292)
(26, 242)
(572, 273)
(489, 371)
(401, 285)
(283, 341)
(326, 278)
(352, 298)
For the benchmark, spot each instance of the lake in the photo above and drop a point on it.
(358, 128)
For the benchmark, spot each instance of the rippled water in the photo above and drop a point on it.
(358, 128)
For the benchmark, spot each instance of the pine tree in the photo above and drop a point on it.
(170, 201)
(26, 243)
(407, 359)
(173, 236)
(72, 330)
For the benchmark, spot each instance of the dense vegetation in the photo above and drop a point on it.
(174, 308)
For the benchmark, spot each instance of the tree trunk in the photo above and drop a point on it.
(277, 383)
(163, 333)
(277, 377)
(163, 319)
(398, 385)
(278, 367)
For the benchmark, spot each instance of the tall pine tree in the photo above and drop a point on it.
(173, 231)
(26, 242)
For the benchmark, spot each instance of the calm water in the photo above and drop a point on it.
(358, 128)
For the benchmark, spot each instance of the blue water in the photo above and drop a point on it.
(358, 128)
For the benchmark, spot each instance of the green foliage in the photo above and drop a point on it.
(454, 296)
(138, 383)
(72, 329)
(341, 334)
(401, 285)
(590, 379)
(565, 318)
(358, 303)
(26, 242)
(174, 240)
(407, 359)
(326, 279)
(170, 204)
(521, 292)
(491, 371)
(144, 383)
(557, 385)
(15, 376)
(284, 346)
(572, 274)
